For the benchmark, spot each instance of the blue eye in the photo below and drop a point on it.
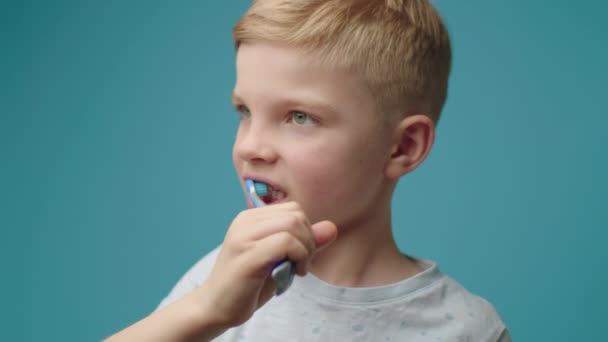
(301, 118)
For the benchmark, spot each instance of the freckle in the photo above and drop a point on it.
(449, 316)
(316, 330)
(423, 333)
(358, 327)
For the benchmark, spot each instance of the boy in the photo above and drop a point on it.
(338, 99)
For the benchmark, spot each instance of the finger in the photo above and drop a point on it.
(270, 209)
(267, 292)
(324, 232)
(302, 268)
(274, 248)
(296, 223)
(263, 213)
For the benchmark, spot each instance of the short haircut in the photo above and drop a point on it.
(400, 48)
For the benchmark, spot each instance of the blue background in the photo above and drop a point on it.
(115, 137)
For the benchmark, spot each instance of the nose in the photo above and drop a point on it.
(254, 143)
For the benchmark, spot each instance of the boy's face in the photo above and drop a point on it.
(311, 132)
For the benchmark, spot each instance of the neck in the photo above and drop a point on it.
(364, 255)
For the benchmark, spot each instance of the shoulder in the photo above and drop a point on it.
(476, 317)
(442, 307)
(192, 278)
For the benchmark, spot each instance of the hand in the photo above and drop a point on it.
(256, 241)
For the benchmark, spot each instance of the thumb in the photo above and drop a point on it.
(325, 232)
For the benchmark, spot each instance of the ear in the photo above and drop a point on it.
(414, 136)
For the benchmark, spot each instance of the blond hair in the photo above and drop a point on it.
(400, 48)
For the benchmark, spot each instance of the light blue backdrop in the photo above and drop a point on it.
(115, 136)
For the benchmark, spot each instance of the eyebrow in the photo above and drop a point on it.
(306, 102)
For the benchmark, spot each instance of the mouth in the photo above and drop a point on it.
(273, 193)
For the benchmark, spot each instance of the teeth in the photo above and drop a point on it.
(277, 195)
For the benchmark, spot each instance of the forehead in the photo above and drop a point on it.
(267, 71)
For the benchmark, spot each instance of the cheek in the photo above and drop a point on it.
(236, 161)
(334, 175)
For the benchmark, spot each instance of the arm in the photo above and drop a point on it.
(239, 282)
(188, 319)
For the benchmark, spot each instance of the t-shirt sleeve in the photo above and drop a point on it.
(192, 278)
(504, 336)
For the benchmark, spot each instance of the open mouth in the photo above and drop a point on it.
(271, 195)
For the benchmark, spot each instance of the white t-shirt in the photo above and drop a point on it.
(429, 306)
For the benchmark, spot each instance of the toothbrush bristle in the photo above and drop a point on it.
(260, 188)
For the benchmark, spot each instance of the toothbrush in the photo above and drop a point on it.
(283, 272)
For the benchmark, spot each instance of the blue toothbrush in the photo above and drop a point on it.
(283, 272)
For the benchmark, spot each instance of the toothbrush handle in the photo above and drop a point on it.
(283, 274)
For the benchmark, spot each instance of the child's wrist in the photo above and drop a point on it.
(211, 322)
